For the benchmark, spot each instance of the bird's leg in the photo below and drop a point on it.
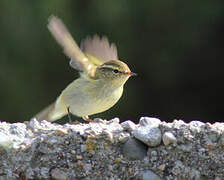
(79, 121)
(69, 115)
(86, 118)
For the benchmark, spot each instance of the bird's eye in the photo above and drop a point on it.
(116, 71)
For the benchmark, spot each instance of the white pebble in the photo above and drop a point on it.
(169, 138)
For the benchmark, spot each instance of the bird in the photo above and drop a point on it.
(101, 81)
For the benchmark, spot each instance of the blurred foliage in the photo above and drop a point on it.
(176, 47)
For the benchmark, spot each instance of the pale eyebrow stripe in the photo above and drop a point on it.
(109, 69)
(111, 65)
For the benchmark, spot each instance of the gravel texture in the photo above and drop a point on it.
(150, 150)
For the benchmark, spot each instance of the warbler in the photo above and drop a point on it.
(101, 81)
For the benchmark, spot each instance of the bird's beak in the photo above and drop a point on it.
(131, 74)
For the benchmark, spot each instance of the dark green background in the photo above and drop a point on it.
(176, 47)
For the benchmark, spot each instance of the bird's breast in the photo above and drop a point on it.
(85, 99)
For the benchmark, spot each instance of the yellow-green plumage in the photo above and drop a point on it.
(92, 98)
(93, 92)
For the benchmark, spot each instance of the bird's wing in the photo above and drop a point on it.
(79, 60)
(99, 50)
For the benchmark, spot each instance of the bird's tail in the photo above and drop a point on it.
(45, 114)
(52, 112)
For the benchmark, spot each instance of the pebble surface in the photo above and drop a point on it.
(148, 131)
(112, 150)
(169, 138)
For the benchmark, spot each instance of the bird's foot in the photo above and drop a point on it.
(86, 118)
